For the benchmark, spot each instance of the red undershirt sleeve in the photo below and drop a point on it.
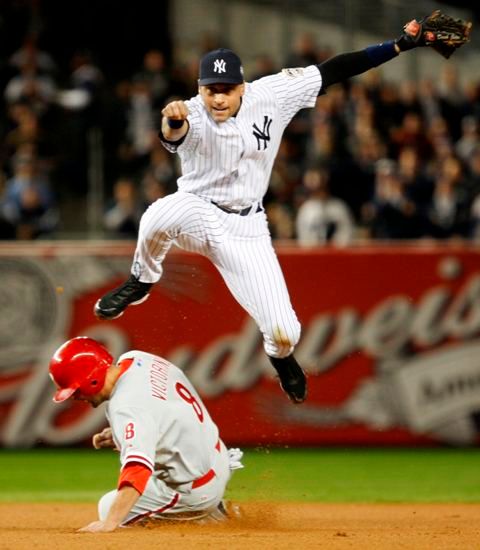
(134, 474)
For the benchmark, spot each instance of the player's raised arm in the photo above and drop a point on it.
(174, 122)
(443, 33)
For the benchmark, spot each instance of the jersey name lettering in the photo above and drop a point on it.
(158, 380)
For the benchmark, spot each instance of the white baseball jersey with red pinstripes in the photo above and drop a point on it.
(230, 163)
(158, 419)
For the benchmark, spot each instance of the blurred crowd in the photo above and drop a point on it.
(373, 160)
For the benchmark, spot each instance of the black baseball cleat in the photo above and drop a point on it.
(115, 302)
(292, 378)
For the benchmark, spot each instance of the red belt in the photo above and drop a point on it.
(199, 482)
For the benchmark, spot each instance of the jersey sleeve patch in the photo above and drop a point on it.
(293, 72)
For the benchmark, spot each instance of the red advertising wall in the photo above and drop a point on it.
(390, 342)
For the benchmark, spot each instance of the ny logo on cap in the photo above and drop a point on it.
(219, 66)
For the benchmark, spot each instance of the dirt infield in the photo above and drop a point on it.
(266, 526)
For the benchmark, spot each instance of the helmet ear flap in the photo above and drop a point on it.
(95, 382)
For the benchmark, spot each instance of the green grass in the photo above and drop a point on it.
(360, 475)
(309, 475)
(56, 475)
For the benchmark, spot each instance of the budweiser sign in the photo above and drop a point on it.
(390, 338)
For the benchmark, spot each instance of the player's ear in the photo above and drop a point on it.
(242, 89)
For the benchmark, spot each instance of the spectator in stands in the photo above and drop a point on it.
(322, 218)
(280, 221)
(389, 109)
(411, 133)
(162, 168)
(363, 123)
(391, 214)
(471, 91)
(30, 52)
(321, 146)
(85, 74)
(264, 65)
(470, 138)
(429, 101)
(28, 134)
(305, 51)
(37, 90)
(472, 182)
(359, 122)
(114, 125)
(448, 210)
(439, 137)
(418, 187)
(448, 213)
(141, 118)
(140, 131)
(367, 151)
(453, 101)
(210, 40)
(408, 96)
(286, 176)
(27, 203)
(152, 189)
(122, 218)
(453, 170)
(154, 72)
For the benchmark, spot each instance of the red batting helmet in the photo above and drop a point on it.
(79, 364)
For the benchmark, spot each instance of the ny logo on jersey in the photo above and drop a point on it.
(219, 66)
(262, 135)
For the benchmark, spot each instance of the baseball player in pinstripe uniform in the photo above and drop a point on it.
(173, 463)
(227, 138)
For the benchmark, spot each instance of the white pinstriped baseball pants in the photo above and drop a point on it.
(241, 249)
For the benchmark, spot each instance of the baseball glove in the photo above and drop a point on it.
(438, 30)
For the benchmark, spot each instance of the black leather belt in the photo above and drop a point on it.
(243, 212)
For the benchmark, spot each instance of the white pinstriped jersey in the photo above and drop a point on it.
(230, 162)
(158, 419)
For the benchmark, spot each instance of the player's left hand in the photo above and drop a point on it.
(438, 30)
(104, 439)
(176, 110)
(97, 527)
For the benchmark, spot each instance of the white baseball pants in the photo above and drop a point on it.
(160, 501)
(241, 249)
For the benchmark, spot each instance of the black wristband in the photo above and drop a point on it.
(405, 43)
(175, 124)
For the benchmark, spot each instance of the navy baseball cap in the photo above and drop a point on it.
(220, 66)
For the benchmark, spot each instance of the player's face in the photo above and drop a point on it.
(222, 100)
(94, 400)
